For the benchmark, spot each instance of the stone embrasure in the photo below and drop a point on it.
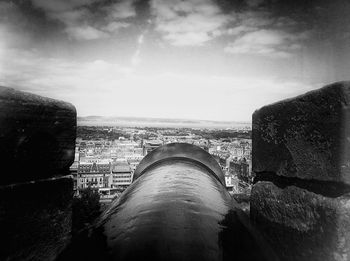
(301, 156)
(37, 136)
(307, 137)
(37, 141)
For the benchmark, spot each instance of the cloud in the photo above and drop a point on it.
(7, 9)
(14, 27)
(86, 33)
(254, 3)
(79, 24)
(84, 22)
(11, 17)
(113, 27)
(188, 23)
(121, 10)
(270, 43)
(263, 34)
(136, 59)
(188, 38)
(60, 5)
(71, 17)
(140, 39)
(53, 75)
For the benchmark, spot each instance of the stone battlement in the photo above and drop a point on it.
(37, 140)
(301, 156)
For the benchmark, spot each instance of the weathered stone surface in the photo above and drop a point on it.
(37, 136)
(307, 137)
(35, 219)
(301, 225)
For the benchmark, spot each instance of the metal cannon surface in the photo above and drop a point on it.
(176, 209)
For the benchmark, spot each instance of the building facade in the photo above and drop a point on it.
(93, 174)
(122, 175)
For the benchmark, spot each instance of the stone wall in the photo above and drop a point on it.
(37, 141)
(301, 158)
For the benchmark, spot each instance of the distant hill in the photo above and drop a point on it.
(159, 122)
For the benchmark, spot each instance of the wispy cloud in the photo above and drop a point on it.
(44, 74)
(254, 3)
(60, 6)
(114, 27)
(270, 43)
(188, 23)
(260, 33)
(85, 33)
(82, 22)
(121, 10)
(135, 59)
(14, 28)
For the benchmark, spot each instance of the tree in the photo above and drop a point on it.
(86, 209)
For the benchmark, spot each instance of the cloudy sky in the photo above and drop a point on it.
(196, 59)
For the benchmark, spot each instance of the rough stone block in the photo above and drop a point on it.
(35, 219)
(37, 136)
(307, 137)
(302, 225)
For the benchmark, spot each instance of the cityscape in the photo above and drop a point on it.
(107, 157)
(175, 130)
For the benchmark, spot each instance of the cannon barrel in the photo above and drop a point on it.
(177, 208)
(182, 151)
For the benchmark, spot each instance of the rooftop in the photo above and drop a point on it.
(121, 168)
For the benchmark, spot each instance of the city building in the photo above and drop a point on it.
(134, 161)
(122, 175)
(232, 183)
(94, 174)
(241, 168)
(122, 156)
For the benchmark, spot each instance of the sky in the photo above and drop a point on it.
(194, 59)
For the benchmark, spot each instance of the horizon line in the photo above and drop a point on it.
(165, 118)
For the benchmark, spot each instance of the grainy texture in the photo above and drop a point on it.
(307, 137)
(301, 225)
(37, 136)
(37, 141)
(35, 219)
(301, 157)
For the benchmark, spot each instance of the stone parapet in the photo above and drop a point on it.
(35, 219)
(37, 136)
(307, 137)
(301, 157)
(37, 141)
(302, 225)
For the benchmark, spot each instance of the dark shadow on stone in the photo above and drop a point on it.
(292, 244)
(330, 189)
(39, 148)
(87, 245)
(240, 241)
(35, 219)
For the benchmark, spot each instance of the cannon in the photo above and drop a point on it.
(177, 208)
